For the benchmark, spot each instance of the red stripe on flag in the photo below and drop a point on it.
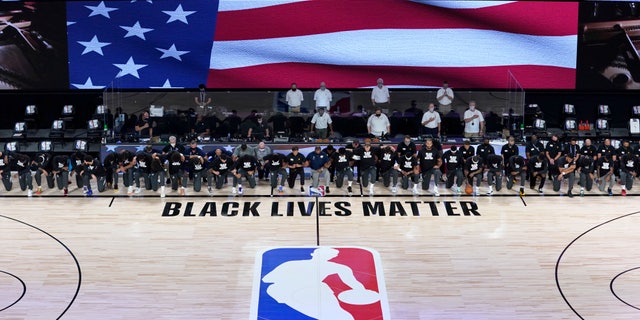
(325, 16)
(281, 75)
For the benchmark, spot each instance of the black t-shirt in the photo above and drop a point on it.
(220, 166)
(606, 150)
(484, 150)
(175, 162)
(341, 161)
(247, 163)
(60, 162)
(367, 157)
(428, 158)
(539, 165)
(196, 165)
(407, 165)
(629, 162)
(467, 153)
(590, 151)
(494, 163)
(94, 168)
(516, 163)
(509, 150)
(143, 162)
(275, 161)
(403, 148)
(553, 148)
(534, 149)
(21, 163)
(387, 160)
(169, 148)
(78, 161)
(473, 165)
(604, 166)
(453, 160)
(293, 159)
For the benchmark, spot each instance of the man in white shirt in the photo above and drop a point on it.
(322, 97)
(320, 122)
(431, 121)
(380, 95)
(378, 124)
(294, 98)
(445, 97)
(473, 121)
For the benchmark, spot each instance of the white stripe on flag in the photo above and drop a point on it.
(462, 4)
(401, 47)
(231, 5)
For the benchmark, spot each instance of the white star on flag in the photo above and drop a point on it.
(136, 30)
(93, 46)
(172, 52)
(87, 85)
(167, 85)
(178, 14)
(129, 68)
(100, 9)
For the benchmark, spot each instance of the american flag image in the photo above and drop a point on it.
(140, 43)
(349, 44)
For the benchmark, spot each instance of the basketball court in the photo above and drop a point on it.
(205, 257)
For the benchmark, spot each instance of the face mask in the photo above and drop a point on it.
(377, 115)
(431, 109)
(472, 108)
(293, 89)
(380, 86)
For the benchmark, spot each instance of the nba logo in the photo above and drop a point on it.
(336, 283)
(317, 192)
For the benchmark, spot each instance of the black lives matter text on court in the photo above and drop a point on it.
(322, 208)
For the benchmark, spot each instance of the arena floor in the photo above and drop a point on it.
(112, 256)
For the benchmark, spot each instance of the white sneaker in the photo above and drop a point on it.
(239, 189)
(84, 190)
(371, 190)
(435, 192)
(394, 189)
(183, 190)
(457, 189)
(162, 194)
(233, 190)
(29, 192)
(415, 189)
(129, 189)
(138, 190)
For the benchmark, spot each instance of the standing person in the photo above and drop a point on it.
(388, 165)
(430, 163)
(323, 97)
(294, 98)
(607, 149)
(60, 170)
(473, 121)
(21, 165)
(454, 163)
(538, 167)
(378, 124)
(573, 149)
(553, 154)
(380, 97)
(495, 165)
(92, 169)
(262, 151)
(172, 146)
(176, 171)
(628, 171)
(276, 164)
(484, 150)
(408, 167)
(5, 171)
(343, 162)
(467, 150)
(295, 162)
(245, 167)
(586, 169)
(41, 164)
(368, 160)
(473, 171)
(516, 168)
(318, 162)
(144, 126)
(533, 148)
(604, 168)
(219, 169)
(202, 101)
(407, 145)
(431, 121)
(445, 97)
(322, 124)
(565, 169)
(242, 150)
(589, 149)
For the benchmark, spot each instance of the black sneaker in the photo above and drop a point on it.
(326, 189)
(349, 190)
(569, 194)
(302, 189)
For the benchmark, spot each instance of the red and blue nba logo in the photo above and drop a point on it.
(336, 283)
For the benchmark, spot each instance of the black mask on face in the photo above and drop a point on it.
(377, 115)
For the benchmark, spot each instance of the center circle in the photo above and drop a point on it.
(12, 288)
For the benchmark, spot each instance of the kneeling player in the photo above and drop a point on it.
(473, 170)
(585, 168)
(604, 168)
(539, 166)
(494, 167)
(565, 170)
(516, 169)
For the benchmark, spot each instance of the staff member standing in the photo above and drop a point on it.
(473, 121)
(380, 95)
(320, 122)
(378, 124)
(431, 121)
(294, 98)
(323, 97)
(445, 97)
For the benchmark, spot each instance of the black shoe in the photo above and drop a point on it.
(569, 194)
(349, 190)
(326, 190)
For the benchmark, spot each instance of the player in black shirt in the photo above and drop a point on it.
(565, 169)
(245, 166)
(407, 145)
(604, 168)
(92, 169)
(430, 163)
(296, 162)
(172, 146)
(516, 168)
(368, 159)
(408, 165)
(538, 167)
(508, 150)
(387, 164)
(343, 161)
(552, 151)
(219, 169)
(494, 165)
(484, 150)
(157, 174)
(628, 171)
(5, 171)
(330, 150)
(534, 147)
(467, 150)
(589, 150)
(41, 164)
(607, 149)
(176, 171)
(126, 165)
(198, 170)
(110, 165)
(454, 163)
(142, 170)
(77, 160)
(21, 164)
(473, 169)
(276, 164)
(585, 168)
(60, 170)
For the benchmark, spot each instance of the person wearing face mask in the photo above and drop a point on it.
(445, 97)
(294, 98)
(380, 95)
(407, 145)
(202, 101)
(172, 146)
(323, 97)
(431, 121)
(261, 131)
(378, 124)
(321, 124)
(473, 122)
(262, 151)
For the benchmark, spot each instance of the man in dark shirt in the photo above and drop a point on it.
(176, 171)
(245, 167)
(143, 169)
(60, 170)
(5, 171)
(485, 149)
(126, 164)
(573, 149)
(144, 126)
(407, 145)
(565, 169)
(585, 168)
(318, 162)
(473, 169)
(430, 163)
(219, 169)
(388, 168)
(296, 162)
(77, 160)
(21, 165)
(172, 146)
(589, 149)
(367, 157)
(604, 168)
(607, 149)
(454, 163)
(467, 150)
(552, 151)
(628, 171)
(538, 168)
(276, 164)
(343, 162)
(494, 165)
(508, 150)
(92, 169)
(41, 164)
(409, 168)
(516, 168)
